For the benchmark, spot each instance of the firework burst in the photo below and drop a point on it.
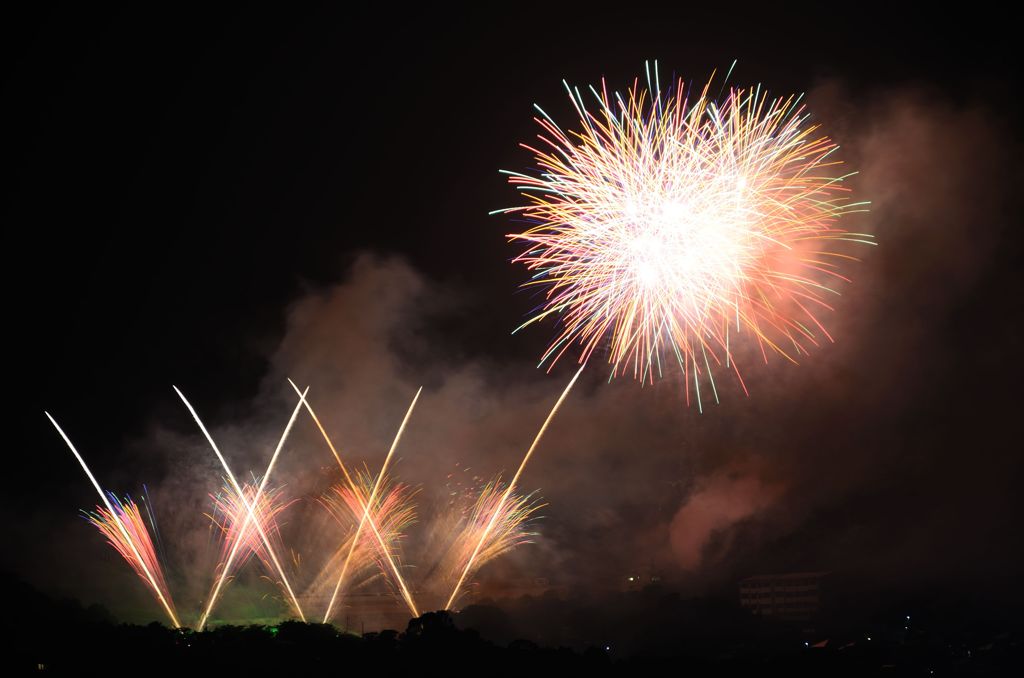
(671, 221)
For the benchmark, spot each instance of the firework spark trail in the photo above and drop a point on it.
(366, 512)
(506, 534)
(393, 512)
(363, 559)
(395, 572)
(138, 540)
(666, 221)
(136, 556)
(152, 521)
(508, 490)
(267, 509)
(248, 506)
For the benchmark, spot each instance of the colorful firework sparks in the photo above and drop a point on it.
(367, 518)
(392, 512)
(122, 529)
(229, 515)
(368, 503)
(671, 221)
(492, 521)
(250, 514)
(509, 518)
(247, 517)
(133, 542)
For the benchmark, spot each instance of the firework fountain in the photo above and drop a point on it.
(494, 524)
(250, 512)
(363, 520)
(502, 506)
(230, 510)
(112, 524)
(134, 544)
(366, 518)
(374, 509)
(391, 513)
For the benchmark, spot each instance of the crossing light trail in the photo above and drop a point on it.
(366, 512)
(250, 515)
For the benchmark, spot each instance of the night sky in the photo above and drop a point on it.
(218, 201)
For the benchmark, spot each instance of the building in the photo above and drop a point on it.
(787, 597)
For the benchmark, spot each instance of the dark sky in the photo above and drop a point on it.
(218, 200)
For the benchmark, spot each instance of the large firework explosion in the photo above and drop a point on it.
(669, 222)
